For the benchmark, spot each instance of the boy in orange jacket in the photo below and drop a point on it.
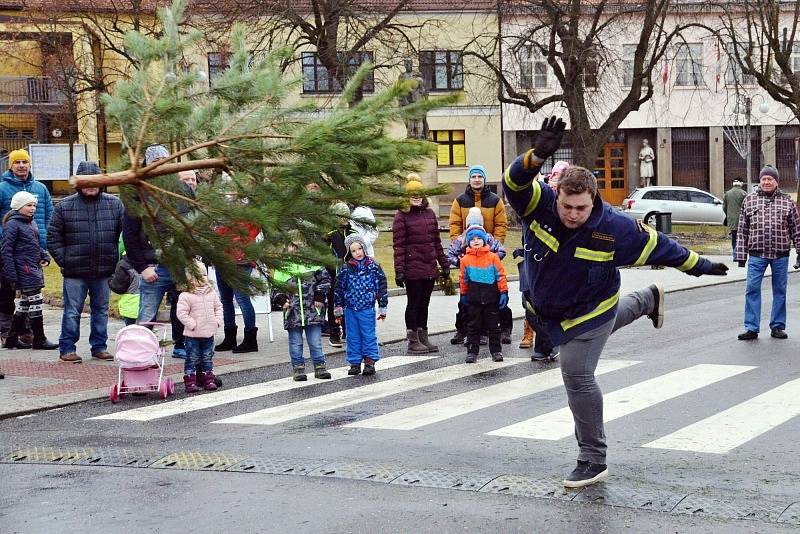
(484, 291)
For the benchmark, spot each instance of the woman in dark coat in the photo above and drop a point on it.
(417, 249)
(23, 259)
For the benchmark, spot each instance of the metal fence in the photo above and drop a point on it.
(786, 156)
(690, 157)
(29, 90)
(736, 165)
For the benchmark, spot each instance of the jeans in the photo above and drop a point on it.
(75, 291)
(419, 298)
(314, 340)
(579, 357)
(151, 294)
(733, 243)
(226, 296)
(752, 297)
(199, 355)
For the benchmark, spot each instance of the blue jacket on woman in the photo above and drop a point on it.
(11, 185)
(83, 236)
(21, 253)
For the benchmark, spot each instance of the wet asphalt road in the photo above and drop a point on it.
(700, 328)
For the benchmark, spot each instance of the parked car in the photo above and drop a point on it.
(688, 205)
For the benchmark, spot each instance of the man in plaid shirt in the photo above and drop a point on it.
(768, 225)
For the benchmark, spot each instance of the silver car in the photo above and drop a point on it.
(688, 205)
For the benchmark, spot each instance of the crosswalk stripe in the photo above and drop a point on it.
(559, 424)
(478, 399)
(341, 399)
(227, 396)
(735, 426)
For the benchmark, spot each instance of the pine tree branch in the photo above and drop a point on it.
(131, 176)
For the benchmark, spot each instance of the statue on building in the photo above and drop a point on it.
(416, 128)
(646, 158)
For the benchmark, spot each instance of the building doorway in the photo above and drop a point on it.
(612, 174)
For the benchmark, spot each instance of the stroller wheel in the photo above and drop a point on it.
(113, 395)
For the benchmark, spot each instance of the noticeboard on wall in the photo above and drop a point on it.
(51, 161)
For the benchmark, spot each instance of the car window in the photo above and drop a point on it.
(655, 195)
(677, 195)
(698, 196)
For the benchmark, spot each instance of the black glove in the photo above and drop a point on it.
(742, 262)
(400, 280)
(518, 253)
(549, 137)
(719, 269)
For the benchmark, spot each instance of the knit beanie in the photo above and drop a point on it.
(769, 170)
(23, 198)
(340, 209)
(477, 231)
(474, 217)
(413, 183)
(477, 169)
(355, 238)
(18, 155)
(154, 152)
(88, 167)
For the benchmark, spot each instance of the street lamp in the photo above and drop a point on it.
(748, 108)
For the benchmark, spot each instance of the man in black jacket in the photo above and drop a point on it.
(83, 239)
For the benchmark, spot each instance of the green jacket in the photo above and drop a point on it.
(732, 206)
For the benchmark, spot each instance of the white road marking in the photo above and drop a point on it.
(735, 426)
(378, 390)
(227, 396)
(478, 399)
(559, 424)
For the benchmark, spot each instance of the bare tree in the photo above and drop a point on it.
(765, 45)
(579, 43)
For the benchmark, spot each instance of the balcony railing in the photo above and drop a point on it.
(29, 90)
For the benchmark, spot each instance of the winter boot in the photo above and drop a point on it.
(5, 325)
(250, 343)
(527, 336)
(299, 373)
(505, 336)
(190, 384)
(414, 346)
(369, 367)
(458, 338)
(229, 343)
(321, 372)
(209, 381)
(355, 369)
(422, 334)
(40, 342)
(472, 357)
(12, 339)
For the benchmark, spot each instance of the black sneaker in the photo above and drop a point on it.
(471, 358)
(369, 369)
(657, 315)
(354, 370)
(497, 357)
(747, 335)
(585, 474)
(335, 342)
(458, 338)
(777, 333)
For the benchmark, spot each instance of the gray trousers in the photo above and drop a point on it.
(579, 357)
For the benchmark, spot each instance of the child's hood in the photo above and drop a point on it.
(478, 251)
(203, 289)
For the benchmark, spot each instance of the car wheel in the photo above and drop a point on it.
(650, 219)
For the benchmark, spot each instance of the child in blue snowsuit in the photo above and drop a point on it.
(360, 283)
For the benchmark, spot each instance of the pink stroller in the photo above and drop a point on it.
(140, 357)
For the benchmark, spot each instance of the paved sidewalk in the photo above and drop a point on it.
(36, 380)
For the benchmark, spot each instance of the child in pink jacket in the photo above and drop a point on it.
(200, 311)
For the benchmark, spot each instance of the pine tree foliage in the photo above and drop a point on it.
(269, 150)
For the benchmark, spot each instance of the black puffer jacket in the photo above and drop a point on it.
(83, 236)
(22, 253)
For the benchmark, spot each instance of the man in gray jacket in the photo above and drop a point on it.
(732, 206)
(83, 239)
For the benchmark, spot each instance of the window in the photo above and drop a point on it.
(689, 65)
(317, 78)
(702, 198)
(733, 73)
(628, 51)
(532, 68)
(451, 150)
(219, 61)
(442, 70)
(591, 69)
